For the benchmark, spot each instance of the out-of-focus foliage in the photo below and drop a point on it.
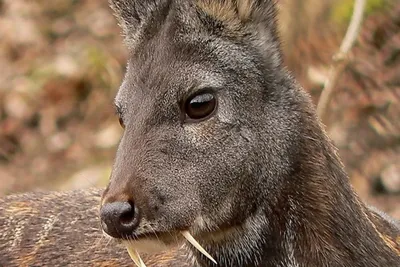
(343, 9)
(363, 116)
(62, 61)
(367, 104)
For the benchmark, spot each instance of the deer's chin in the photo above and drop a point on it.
(152, 242)
(147, 246)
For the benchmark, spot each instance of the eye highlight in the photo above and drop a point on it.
(200, 106)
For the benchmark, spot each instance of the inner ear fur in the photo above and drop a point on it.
(240, 11)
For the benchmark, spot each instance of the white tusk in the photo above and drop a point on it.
(196, 244)
(135, 257)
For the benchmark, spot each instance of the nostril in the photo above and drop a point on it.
(128, 215)
(119, 219)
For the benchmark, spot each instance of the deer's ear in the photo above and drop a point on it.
(239, 15)
(132, 15)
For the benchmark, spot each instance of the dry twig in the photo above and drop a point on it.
(340, 60)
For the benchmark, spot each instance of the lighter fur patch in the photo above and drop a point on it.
(27, 260)
(245, 8)
(47, 227)
(16, 212)
(239, 245)
(289, 237)
(147, 245)
(20, 209)
(386, 239)
(18, 232)
(232, 13)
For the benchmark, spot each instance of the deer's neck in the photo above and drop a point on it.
(318, 221)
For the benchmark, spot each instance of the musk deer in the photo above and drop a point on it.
(220, 144)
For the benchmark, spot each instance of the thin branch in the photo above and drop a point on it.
(340, 60)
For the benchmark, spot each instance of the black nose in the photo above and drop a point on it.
(119, 219)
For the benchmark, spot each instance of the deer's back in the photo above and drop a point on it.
(61, 229)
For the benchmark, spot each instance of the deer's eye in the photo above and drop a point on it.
(200, 106)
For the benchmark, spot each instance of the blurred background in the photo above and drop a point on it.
(62, 61)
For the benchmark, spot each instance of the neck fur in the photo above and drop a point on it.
(319, 222)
